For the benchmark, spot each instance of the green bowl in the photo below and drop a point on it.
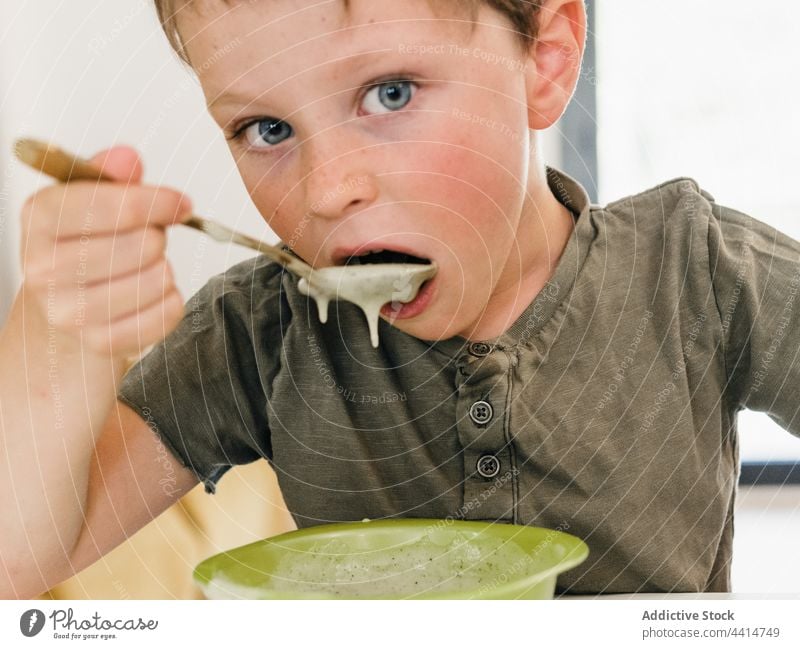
(396, 559)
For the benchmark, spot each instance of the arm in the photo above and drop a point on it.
(96, 288)
(126, 489)
(756, 276)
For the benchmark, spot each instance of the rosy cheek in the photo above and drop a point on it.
(466, 182)
(270, 194)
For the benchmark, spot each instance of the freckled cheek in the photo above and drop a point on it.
(478, 196)
(274, 199)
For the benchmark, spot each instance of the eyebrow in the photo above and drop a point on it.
(234, 97)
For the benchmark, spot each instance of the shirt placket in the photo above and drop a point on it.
(483, 384)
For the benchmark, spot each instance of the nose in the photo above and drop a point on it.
(339, 180)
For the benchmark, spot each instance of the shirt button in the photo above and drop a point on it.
(481, 412)
(480, 349)
(488, 466)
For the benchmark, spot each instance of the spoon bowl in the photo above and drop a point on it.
(369, 286)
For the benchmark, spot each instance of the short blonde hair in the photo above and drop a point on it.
(521, 13)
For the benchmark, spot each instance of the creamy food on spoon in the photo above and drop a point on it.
(369, 281)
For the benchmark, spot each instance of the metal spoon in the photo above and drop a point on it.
(369, 286)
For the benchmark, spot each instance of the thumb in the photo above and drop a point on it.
(121, 163)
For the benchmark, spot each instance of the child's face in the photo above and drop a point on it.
(385, 126)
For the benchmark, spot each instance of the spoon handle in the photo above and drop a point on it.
(224, 234)
(65, 167)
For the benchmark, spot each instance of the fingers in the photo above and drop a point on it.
(92, 259)
(83, 208)
(119, 317)
(93, 256)
(76, 304)
(121, 163)
(132, 333)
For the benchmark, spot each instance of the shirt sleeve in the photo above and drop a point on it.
(201, 389)
(756, 277)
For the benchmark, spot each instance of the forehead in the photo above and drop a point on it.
(220, 35)
(209, 8)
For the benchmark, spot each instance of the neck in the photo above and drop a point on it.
(543, 231)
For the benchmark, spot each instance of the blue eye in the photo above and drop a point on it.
(388, 97)
(267, 132)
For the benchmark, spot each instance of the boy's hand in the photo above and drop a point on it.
(93, 259)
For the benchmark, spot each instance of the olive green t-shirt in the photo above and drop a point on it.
(608, 409)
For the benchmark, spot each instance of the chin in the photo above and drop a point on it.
(429, 329)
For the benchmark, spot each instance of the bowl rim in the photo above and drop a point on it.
(577, 552)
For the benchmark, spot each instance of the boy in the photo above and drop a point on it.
(570, 366)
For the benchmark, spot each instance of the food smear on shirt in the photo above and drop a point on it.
(422, 567)
(368, 286)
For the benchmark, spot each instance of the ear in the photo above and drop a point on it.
(554, 60)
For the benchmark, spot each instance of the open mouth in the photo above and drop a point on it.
(384, 257)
